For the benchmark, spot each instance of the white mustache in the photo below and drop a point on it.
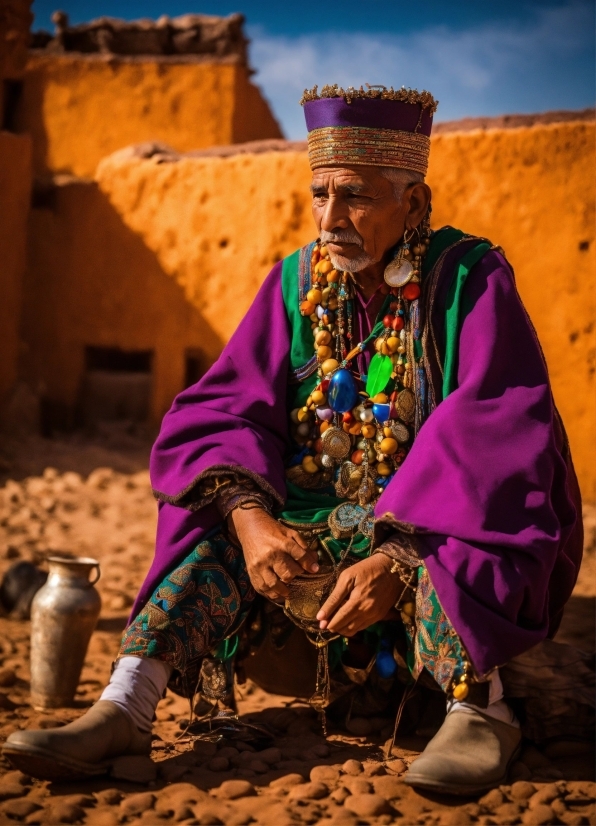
(345, 236)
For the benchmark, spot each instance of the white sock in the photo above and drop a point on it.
(497, 707)
(137, 685)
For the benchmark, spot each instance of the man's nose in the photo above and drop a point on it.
(334, 216)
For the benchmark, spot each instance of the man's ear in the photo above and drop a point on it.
(419, 196)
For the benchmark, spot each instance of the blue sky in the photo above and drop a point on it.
(477, 58)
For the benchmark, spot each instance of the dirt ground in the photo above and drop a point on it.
(94, 499)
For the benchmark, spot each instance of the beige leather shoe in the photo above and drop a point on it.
(470, 753)
(80, 749)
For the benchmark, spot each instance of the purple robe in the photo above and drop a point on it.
(485, 485)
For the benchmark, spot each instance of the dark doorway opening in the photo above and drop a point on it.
(11, 97)
(195, 366)
(116, 385)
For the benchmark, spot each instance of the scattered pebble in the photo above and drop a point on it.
(396, 766)
(64, 813)
(522, 790)
(540, 815)
(234, 789)
(367, 805)
(356, 785)
(288, 781)
(218, 764)
(389, 787)
(19, 809)
(352, 767)
(325, 774)
(308, 791)
(492, 799)
(7, 677)
(138, 803)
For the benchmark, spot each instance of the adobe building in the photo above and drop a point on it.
(92, 89)
(142, 261)
(15, 185)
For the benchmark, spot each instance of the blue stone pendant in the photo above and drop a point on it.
(381, 412)
(342, 394)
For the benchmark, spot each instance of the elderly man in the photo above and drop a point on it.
(377, 450)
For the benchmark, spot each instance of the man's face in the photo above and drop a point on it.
(357, 208)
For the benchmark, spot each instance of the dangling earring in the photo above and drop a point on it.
(399, 271)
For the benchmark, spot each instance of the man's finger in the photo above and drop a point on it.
(305, 557)
(335, 599)
(286, 569)
(299, 538)
(273, 583)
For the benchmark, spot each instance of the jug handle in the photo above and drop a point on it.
(98, 575)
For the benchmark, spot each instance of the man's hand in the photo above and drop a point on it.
(274, 554)
(365, 593)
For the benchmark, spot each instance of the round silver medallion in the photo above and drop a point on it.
(398, 272)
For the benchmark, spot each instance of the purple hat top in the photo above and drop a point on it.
(373, 127)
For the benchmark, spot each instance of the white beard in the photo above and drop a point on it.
(340, 262)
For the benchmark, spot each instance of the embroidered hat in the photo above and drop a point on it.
(372, 127)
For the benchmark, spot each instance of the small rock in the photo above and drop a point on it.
(328, 775)
(352, 767)
(522, 790)
(208, 818)
(203, 748)
(492, 799)
(6, 704)
(183, 812)
(287, 781)
(544, 795)
(108, 797)
(229, 752)
(374, 769)
(7, 677)
(457, 817)
(170, 771)
(235, 789)
(136, 804)
(574, 819)
(508, 812)
(19, 809)
(64, 813)
(85, 801)
(135, 768)
(11, 790)
(257, 766)
(359, 726)
(308, 791)
(13, 777)
(356, 785)
(558, 807)
(321, 750)
(340, 795)
(389, 787)
(367, 805)
(218, 764)
(539, 815)
(270, 756)
(396, 766)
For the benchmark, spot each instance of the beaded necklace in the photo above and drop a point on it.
(360, 428)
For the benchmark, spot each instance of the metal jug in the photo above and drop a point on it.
(63, 616)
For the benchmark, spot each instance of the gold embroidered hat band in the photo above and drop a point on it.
(374, 127)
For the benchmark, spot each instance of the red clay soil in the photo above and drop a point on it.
(302, 777)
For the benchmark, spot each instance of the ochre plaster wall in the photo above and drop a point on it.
(15, 193)
(79, 109)
(214, 227)
(92, 281)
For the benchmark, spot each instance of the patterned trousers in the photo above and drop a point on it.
(205, 600)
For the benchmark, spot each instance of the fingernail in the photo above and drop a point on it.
(314, 568)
